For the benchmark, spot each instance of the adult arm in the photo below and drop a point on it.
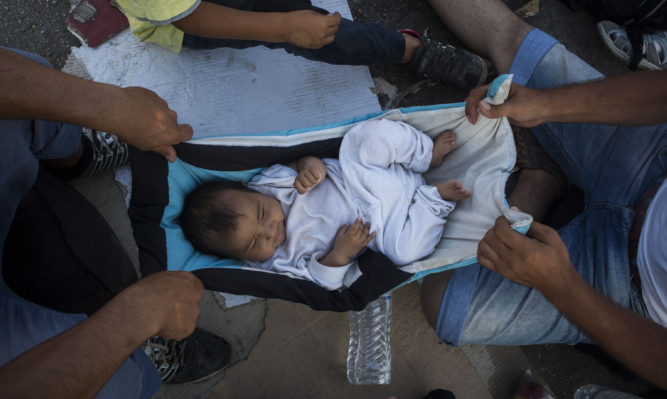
(79, 361)
(541, 260)
(303, 28)
(136, 115)
(631, 99)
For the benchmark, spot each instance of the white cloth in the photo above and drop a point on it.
(379, 178)
(652, 257)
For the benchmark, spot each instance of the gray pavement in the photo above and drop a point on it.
(38, 26)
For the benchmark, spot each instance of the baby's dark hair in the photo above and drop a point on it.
(208, 217)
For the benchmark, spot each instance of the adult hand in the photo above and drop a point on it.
(629, 99)
(144, 120)
(164, 303)
(309, 29)
(136, 115)
(524, 107)
(539, 260)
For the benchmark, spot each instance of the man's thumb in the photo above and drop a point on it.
(185, 133)
(541, 232)
(336, 16)
(490, 111)
(169, 153)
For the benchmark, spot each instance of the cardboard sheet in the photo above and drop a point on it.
(228, 91)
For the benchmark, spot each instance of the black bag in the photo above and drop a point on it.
(637, 17)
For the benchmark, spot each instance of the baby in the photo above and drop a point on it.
(312, 217)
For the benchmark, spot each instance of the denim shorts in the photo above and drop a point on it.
(613, 166)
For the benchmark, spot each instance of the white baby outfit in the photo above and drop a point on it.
(377, 177)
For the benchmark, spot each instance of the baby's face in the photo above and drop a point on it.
(260, 228)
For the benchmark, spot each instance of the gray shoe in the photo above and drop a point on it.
(653, 46)
(448, 65)
(107, 151)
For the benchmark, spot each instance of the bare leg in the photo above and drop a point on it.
(488, 27)
(411, 44)
(433, 289)
(535, 192)
(452, 190)
(442, 145)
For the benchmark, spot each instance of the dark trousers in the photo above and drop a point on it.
(60, 252)
(355, 43)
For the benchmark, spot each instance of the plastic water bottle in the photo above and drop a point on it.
(594, 391)
(369, 354)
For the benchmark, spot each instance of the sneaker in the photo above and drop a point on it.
(447, 64)
(106, 151)
(653, 46)
(188, 360)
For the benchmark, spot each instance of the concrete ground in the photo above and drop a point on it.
(284, 350)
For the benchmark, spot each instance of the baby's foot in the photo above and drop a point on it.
(452, 190)
(442, 145)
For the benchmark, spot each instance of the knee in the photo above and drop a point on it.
(432, 292)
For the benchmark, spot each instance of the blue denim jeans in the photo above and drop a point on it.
(613, 166)
(23, 324)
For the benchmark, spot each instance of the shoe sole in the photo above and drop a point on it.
(205, 377)
(606, 39)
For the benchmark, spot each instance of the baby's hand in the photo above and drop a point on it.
(349, 241)
(310, 172)
(312, 30)
(307, 179)
(352, 239)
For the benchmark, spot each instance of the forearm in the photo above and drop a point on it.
(635, 341)
(638, 98)
(216, 21)
(33, 91)
(79, 361)
(136, 115)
